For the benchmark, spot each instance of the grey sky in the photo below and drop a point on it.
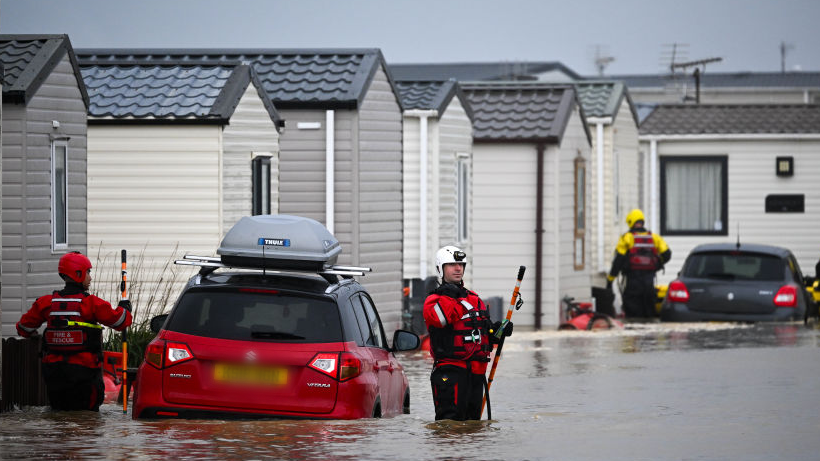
(745, 33)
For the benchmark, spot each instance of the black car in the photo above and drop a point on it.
(738, 282)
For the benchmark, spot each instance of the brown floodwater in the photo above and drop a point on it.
(651, 391)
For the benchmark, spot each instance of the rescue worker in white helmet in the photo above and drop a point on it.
(72, 339)
(639, 254)
(460, 340)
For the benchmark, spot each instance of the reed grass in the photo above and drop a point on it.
(151, 294)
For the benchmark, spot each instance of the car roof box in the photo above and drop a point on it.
(279, 242)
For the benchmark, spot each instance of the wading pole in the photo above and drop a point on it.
(123, 297)
(500, 334)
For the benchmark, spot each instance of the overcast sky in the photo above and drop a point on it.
(638, 34)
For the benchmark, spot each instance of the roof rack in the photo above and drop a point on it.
(209, 264)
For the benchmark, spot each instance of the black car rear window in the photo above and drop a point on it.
(256, 315)
(735, 265)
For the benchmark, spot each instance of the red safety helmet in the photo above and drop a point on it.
(74, 265)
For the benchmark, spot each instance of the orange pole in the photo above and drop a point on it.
(500, 334)
(124, 296)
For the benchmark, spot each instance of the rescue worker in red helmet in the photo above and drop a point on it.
(639, 254)
(460, 340)
(72, 339)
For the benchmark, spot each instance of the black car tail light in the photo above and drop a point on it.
(677, 292)
(786, 296)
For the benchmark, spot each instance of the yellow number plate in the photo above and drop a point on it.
(250, 374)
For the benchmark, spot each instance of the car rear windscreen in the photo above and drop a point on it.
(735, 265)
(256, 315)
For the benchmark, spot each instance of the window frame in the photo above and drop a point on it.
(53, 192)
(723, 161)
(462, 197)
(579, 213)
(260, 188)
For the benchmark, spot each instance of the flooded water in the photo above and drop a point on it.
(651, 391)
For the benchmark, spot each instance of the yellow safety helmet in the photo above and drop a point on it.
(633, 217)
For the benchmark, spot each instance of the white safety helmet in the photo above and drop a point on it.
(448, 255)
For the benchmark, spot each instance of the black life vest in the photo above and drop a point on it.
(67, 331)
(643, 256)
(467, 339)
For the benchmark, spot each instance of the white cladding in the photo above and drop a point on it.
(449, 136)
(504, 202)
(29, 265)
(367, 191)
(751, 176)
(251, 132)
(153, 190)
(160, 191)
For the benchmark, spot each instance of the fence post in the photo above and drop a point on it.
(22, 378)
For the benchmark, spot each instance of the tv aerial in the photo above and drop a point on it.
(698, 65)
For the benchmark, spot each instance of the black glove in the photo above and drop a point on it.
(508, 329)
(452, 290)
(609, 285)
(125, 304)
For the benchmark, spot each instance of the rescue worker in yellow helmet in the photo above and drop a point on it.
(639, 254)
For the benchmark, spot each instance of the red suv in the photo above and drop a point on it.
(258, 343)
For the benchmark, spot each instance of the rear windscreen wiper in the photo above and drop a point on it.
(271, 334)
(721, 275)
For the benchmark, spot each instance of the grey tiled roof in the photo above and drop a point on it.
(604, 98)
(472, 71)
(427, 95)
(726, 80)
(28, 60)
(690, 119)
(520, 111)
(164, 90)
(292, 78)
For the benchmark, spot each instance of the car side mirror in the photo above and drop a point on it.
(157, 322)
(404, 340)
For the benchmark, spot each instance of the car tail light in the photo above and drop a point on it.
(325, 363)
(786, 296)
(154, 353)
(677, 292)
(350, 366)
(341, 367)
(177, 353)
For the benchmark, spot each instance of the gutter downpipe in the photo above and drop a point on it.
(330, 180)
(423, 148)
(599, 153)
(653, 182)
(423, 196)
(599, 140)
(539, 230)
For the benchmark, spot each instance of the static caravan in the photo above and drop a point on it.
(177, 153)
(615, 168)
(531, 157)
(729, 172)
(438, 140)
(44, 133)
(340, 151)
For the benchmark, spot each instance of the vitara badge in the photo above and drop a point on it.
(274, 242)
